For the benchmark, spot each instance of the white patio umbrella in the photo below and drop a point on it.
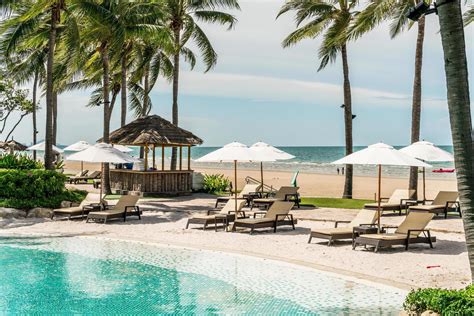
(427, 151)
(269, 151)
(122, 148)
(41, 147)
(78, 146)
(103, 153)
(380, 154)
(234, 152)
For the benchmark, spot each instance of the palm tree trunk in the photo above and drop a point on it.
(146, 87)
(48, 152)
(457, 80)
(177, 39)
(416, 101)
(55, 116)
(123, 92)
(347, 122)
(106, 86)
(35, 130)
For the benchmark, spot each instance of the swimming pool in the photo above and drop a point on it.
(80, 275)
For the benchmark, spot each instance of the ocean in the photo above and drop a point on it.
(309, 159)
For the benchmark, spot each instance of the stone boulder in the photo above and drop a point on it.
(40, 212)
(198, 181)
(6, 212)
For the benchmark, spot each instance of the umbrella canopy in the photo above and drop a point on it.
(13, 145)
(41, 147)
(102, 152)
(235, 152)
(271, 151)
(78, 146)
(153, 130)
(123, 148)
(380, 154)
(428, 152)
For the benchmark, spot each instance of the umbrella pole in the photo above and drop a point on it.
(261, 175)
(235, 188)
(378, 197)
(82, 166)
(101, 182)
(424, 186)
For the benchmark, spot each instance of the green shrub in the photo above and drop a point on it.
(17, 161)
(214, 183)
(442, 301)
(27, 189)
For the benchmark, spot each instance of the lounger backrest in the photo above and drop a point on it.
(230, 206)
(283, 191)
(279, 207)
(90, 198)
(414, 221)
(94, 174)
(249, 188)
(445, 196)
(365, 216)
(126, 200)
(400, 194)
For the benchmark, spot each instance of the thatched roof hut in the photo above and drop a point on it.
(153, 130)
(12, 145)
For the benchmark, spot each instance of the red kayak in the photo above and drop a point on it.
(444, 170)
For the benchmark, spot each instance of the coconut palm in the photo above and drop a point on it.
(332, 21)
(396, 11)
(457, 80)
(469, 16)
(182, 18)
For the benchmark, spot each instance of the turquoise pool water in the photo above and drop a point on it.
(64, 276)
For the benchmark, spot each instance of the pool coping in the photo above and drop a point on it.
(340, 273)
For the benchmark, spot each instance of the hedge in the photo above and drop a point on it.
(22, 162)
(27, 189)
(441, 301)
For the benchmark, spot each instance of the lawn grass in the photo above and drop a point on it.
(334, 202)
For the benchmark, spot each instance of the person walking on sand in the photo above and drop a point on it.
(337, 171)
(342, 169)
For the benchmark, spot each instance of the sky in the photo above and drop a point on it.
(259, 91)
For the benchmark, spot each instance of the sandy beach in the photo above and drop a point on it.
(164, 222)
(311, 184)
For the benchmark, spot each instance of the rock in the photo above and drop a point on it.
(6, 212)
(198, 181)
(40, 212)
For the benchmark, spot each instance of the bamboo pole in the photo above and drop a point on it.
(154, 165)
(235, 188)
(82, 167)
(379, 197)
(162, 157)
(424, 186)
(180, 157)
(146, 157)
(189, 157)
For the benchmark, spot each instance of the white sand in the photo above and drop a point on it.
(164, 221)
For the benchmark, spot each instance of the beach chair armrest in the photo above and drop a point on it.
(258, 213)
(212, 211)
(424, 201)
(238, 212)
(384, 199)
(408, 202)
(450, 204)
(368, 225)
(340, 222)
(133, 207)
(417, 231)
(283, 216)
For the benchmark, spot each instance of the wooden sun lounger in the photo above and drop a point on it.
(285, 193)
(225, 215)
(411, 231)
(398, 201)
(90, 202)
(92, 176)
(444, 202)
(78, 175)
(277, 215)
(249, 191)
(364, 217)
(125, 207)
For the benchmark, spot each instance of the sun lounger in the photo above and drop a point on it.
(125, 207)
(411, 231)
(277, 215)
(248, 191)
(90, 202)
(285, 193)
(364, 217)
(225, 215)
(397, 202)
(443, 202)
(92, 176)
(78, 175)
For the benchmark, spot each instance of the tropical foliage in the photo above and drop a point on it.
(215, 183)
(17, 161)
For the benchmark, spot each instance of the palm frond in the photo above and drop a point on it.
(208, 53)
(469, 16)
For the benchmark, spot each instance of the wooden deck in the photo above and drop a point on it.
(174, 182)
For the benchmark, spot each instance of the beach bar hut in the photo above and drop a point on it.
(154, 133)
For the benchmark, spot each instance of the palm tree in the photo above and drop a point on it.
(457, 80)
(182, 16)
(396, 11)
(332, 20)
(469, 16)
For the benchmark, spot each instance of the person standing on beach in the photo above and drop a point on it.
(337, 171)
(342, 169)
